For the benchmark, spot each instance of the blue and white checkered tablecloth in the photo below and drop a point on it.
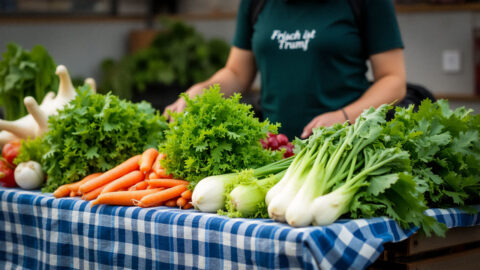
(40, 232)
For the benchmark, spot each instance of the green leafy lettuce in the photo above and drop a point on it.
(25, 73)
(215, 135)
(96, 132)
(31, 149)
(444, 146)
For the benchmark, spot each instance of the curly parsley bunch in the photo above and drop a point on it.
(96, 132)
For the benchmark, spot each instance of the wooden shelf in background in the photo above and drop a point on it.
(459, 97)
(66, 17)
(400, 8)
(415, 8)
(206, 16)
(53, 18)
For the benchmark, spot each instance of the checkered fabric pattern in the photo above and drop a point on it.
(38, 231)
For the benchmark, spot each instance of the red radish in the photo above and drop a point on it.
(273, 143)
(282, 139)
(288, 151)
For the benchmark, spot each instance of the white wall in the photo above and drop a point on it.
(220, 28)
(426, 36)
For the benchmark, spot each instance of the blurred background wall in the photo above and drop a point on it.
(431, 37)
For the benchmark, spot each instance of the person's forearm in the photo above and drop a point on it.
(386, 90)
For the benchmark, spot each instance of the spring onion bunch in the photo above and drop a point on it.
(339, 168)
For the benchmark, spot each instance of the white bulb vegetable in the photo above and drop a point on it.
(29, 175)
(208, 195)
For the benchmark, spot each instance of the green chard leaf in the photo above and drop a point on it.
(445, 151)
(25, 73)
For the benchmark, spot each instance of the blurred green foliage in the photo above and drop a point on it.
(179, 56)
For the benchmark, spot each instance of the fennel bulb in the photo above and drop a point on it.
(208, 195)
(211, 192)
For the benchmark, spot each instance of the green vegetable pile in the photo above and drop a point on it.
(444, 147)
(398, 169)
(341, 165)
(178, 56)
(25, 73)
(96, 132)
(31, 149)
(215, 135)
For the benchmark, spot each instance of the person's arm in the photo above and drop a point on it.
(237, 76)
(389, 86)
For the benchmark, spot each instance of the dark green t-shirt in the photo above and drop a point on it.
(310, 54)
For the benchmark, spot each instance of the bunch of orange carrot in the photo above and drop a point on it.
(139, 181)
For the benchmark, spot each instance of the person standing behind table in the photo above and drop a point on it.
(312, 61)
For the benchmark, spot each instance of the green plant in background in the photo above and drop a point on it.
(25, 73)
(179, 56)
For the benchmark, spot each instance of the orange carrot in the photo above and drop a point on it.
(126, 198)
(152, 175)
(76, 185)
(62, 191)
(125, 181)
(127, 166)
(187, 194)
(166, 182)
(171, 202)
(156, 164)
(188, 205)
(139, 186)
(150, 187)
(147, 159)
(160, 197)
(181, 202)
(67, 189)
(162, 173)
(92, 195)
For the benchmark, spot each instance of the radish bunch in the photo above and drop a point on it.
(278, 142)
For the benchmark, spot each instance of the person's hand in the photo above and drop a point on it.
(323, 120)
(177, 106)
